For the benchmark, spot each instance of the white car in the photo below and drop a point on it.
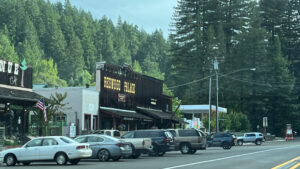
(60, 149)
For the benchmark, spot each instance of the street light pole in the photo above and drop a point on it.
(216, 68)
(209, 101)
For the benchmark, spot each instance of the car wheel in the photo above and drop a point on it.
(61, 159)
(154, 151)
(116, 158)
(226, 146)
(161, 154)
(103, 155)
(136, 155)
(10, 160)
(185, 148)
(258, 142)
(240, 142)
(75, 161)
(26, 163)
(193, 151)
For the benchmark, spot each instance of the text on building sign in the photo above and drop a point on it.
(129, 87)
(112, 83)
(10, 66)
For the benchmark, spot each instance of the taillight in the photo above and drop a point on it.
(166, 140)
(120, 145)
(80, 147)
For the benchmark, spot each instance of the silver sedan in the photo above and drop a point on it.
(106, 147)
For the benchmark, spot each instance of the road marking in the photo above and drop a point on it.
(285, 163)
(295, 166)
(219, 159)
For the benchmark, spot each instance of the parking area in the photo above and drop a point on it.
(212, 157)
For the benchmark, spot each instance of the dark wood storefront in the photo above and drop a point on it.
(123, 89)
(16, 97)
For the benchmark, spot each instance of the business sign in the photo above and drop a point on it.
(121, 98)
(116, 84)
(14, 74)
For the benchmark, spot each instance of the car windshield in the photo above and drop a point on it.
(67, 140)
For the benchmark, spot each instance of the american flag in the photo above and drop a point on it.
(41, 105)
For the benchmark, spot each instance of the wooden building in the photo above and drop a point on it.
(16, 97)
(130, 100)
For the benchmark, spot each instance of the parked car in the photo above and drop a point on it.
(162, 140)
(188, 141)
(224, 140)
(106, 147)
(256, 138)
(138, 145)
(52, 148)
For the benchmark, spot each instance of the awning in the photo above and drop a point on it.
(198, 109)
(159, 114)
(127, 114)
(22, 95)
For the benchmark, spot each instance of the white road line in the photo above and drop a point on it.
(219, 159)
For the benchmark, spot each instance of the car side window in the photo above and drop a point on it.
(91, 139)
(34, 143)
(49, 142)
(116, 134)
(108, 133)
(128, 135)
(173, 132)
(80, 139)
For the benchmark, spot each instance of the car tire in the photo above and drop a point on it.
(185, 148)
(136, 155)
(161, 154)
(116, 158)
(240, 142)
(26, 163)
(61, 159)
(226, 146)
(258, 142)
(75, 161)
(103, 155)
(154, 151)
(10, 160)
(193, 151)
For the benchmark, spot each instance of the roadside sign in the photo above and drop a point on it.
(265, 121)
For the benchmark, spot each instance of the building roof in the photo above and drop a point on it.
(159, 114)
(22, 95)
(190, 109)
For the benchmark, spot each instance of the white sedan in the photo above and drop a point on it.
(52, 148)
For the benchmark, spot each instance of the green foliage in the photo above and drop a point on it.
(137, 67)
(175, 101)
(233, 121)
(47, 73)
(7, 51)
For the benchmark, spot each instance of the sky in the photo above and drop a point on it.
(148, 15)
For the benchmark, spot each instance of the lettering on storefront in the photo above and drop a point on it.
(10, 68)
(15, 74)
(115, 84)
(111, 83)
(129, 87)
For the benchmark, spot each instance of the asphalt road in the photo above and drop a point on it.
(275, 154)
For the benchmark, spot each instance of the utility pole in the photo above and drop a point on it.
(209, 112)
(216, 68)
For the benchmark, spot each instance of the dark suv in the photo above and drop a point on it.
(224, 140)
(162, 140)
